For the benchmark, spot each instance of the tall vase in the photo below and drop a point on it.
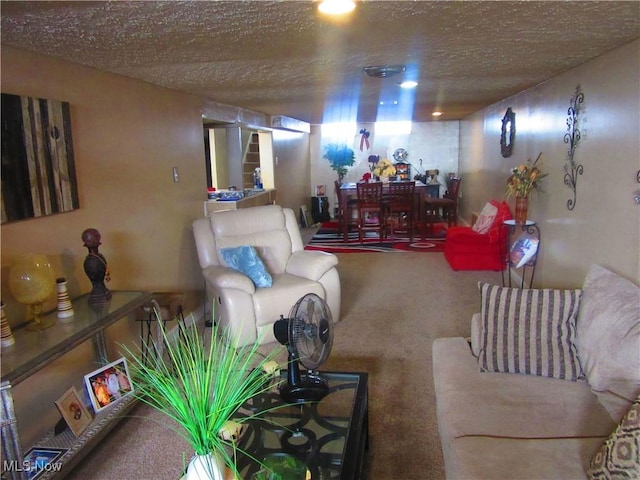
(205, 467)
(65, 308)
(6, 336)
(522, 206)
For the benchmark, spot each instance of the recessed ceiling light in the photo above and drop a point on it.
(436, 114)
(408, 84)
(336, 7)
(383, 71)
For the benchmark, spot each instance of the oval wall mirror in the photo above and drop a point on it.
(508, 133)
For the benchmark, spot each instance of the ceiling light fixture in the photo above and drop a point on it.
(436, 114)
(383, 71)
(408, 84)
(336, 7)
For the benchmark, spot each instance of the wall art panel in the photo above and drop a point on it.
(38, 169)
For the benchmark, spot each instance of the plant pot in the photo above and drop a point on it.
(205, 467)
(522, 207)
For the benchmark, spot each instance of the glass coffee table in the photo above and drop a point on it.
(329, 436)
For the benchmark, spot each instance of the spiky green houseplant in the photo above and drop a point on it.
(200, 383)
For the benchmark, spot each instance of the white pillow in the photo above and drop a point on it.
(486, 218)
(608, 338)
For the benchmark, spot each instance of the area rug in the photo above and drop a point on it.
(329, 239)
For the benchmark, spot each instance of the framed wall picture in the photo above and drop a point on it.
(38, 166)
(320, 191)
(108, 384)
(74, 412)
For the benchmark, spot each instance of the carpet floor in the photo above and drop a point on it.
(392, 310)
(329, 239)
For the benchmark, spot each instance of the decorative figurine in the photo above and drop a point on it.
(95, 266)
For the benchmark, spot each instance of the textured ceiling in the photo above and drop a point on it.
(283, 58)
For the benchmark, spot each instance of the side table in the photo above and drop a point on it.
(170, 308)
(522, 246)
(320, 209)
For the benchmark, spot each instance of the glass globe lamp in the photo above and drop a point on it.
(32, 281)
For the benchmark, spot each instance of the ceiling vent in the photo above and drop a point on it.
(383, 71)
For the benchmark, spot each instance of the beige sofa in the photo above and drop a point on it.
(244, 310)
(496, 424)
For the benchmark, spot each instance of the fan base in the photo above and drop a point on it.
(312, 388)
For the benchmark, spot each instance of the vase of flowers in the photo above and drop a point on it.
(384, 169)
(521, 210)
(201, 383)
(524, 179)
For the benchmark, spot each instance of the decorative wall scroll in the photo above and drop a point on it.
(38, 169)
(572, 137)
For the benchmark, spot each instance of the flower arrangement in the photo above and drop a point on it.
(525, 178)
(384, 168)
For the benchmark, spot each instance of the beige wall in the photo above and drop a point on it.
(127, 136)
(291, 169)
(604, 226)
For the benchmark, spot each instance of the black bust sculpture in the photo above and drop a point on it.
(95, 266)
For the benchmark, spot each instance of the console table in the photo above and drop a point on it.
(33, 351)
(255, 198)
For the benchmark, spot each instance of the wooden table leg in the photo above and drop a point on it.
(421, 212)
(344, 201)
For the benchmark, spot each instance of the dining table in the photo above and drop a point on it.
(422, 190)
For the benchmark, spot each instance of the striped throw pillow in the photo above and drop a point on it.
(529, 331)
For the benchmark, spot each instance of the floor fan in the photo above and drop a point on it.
(308, 336)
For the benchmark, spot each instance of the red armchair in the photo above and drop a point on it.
(466, 249)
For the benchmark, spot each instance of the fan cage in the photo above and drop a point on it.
(306, 318)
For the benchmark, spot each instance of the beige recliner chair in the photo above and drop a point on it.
(243, 310)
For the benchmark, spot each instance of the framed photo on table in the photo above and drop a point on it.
(523, 250)
(40, 460)
(74, 412)
(108, 384)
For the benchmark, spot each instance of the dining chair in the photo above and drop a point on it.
(399, 204)
(370, 208)
(352, 205)
(448, 203)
